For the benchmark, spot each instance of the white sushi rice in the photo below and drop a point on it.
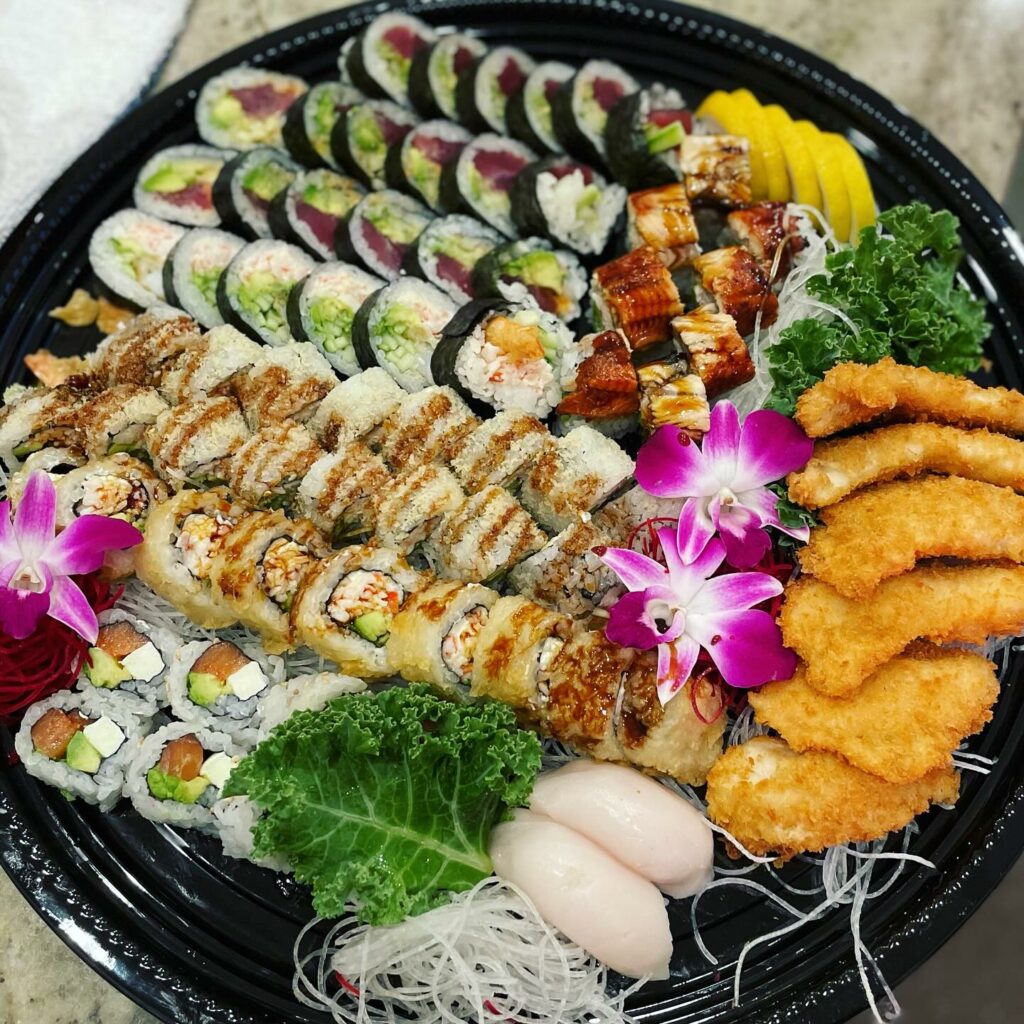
(233, 821)
(127, 253)
(536, 104)
(304, 693)
(441, 70)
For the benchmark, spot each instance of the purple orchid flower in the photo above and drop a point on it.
(684, 607)
(723, 483)
(35, 565)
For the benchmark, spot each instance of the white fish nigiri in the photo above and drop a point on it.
(638, 821)
(613, 913)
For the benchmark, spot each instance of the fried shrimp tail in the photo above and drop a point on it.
(843, 640)
(775, 800)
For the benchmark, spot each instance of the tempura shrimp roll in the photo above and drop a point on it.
(117, 418)
(55, 462)
(434, 637)
(118, 486)
(258, 569)
(199, 370)
(514, 654)
(347, 603)
(183, 535)
(413, 506)
(266, 471)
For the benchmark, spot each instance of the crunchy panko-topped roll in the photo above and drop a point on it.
(355, 408)
(35, 418)
(413, 506)
(115, 420)
(426, 426)
(267, 470)
(199, 370)
(144, 348)
(498, 450)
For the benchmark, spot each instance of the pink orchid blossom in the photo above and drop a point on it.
(723, 482)
(36, 565)
(683, 607)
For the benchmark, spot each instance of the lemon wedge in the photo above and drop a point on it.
(764, 139)
(731, 114)
(835, 197)
(858, 185)
(803, 177)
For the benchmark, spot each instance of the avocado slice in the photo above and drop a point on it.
(204, 688)
(104, 670)
(169, 787)
(541, 269)
(82, 755)
(666, 137)
(373, 626)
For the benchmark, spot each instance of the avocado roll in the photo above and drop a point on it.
(347, 603)
(415, 164)
(322, 307)
(246, 187)
(479, 181)
(426, 426)
(364, 133)
(380, 60)
(198, 372)
(568, 202)
(245, 107)
(177, 184)
(663, 219)
(35, 418)
(144, 348)
(193, 269)
(310, 209)
(532, 270)
(670, 394)
(399, 327)
(528, 114)
(259, 568)
(127, 253)
(434, 637)
(380, 230)
(487, 84)
(412, 508)
(581, 107)
(311, 119)
(599, 386)
(285, 383)
(183, 535)
(266, 471)
(500, 355)
(643, 136)
(447, 251)
(116, 418)
(191, 443)
(498, 450)
(118, 486)
(355, 408)
(434, 73)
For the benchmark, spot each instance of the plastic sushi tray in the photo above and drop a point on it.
(192, 936)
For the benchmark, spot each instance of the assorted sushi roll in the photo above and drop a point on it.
(434, 73)
(663, 219)
(115, 419)
(118, 486)
(498, 451)
(266, 470)
(380, 230)
(177, 184)
(415, 164)
(733, 280)
(193, 268)
(426, 426)
(310, 209)
(245, 107)
(55, 462)
(380, 59)
(198, 372)
(310, 120)
(288, 382)
(127, 253)
(599, 385)
(671, 395)
(412, 508)
(714, 349)
(447, 252)
(487, 84)
(355, 408)
(144, 348)
(716, 169)
(581, 107)
(644, 134)
(247, 186)
(363, 135)
(528, 115)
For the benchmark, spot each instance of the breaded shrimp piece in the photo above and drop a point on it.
(842, 466)
(904, 722)
(842, 640)
(887, 529)
(851, 394)
(774, 800)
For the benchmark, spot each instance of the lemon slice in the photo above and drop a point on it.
(858, 185)
(730, 114)
(803, 178)
(776, 178)
(835, 197)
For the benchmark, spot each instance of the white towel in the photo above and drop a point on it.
(68, 70)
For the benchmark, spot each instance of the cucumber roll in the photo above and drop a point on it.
(567, 202)
(433, 638)
(265, 472)
(412, 508)
(355, 408)
(499, 355)
(643, 135)
(529, 111)
(193, 269)
(532, 271)
(252, 293)
(191, 443)
(346, 606)
(448, 250)
(116, 419)
(177, 184)
(487, 84)
(321, 310)
(364, 133)
(118, 487)
(247, 186)
(435, 70)
(498, 450)
(427, 426)
(127, 253)
(399, 327)
(379, 231)
(480, 180)
(310, 209)
(288, 382)
(581, 107)
(311, 119)
(381, 57)
(415, 164)
(245, 107)
(203, 368)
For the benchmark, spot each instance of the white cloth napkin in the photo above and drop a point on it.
(68, 70)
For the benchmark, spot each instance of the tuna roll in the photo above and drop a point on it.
(364, 133)
(487, 84)
(177, 184)
(380, 60)
(447, 252)
(310, 209)
(245, 107)
(435, 71)
(266, 471)
(643, 135)
(380, 230)
(415, 164)
(286, 383)
(202, 369)
(193, 269)
(412, 508)
(247, 186)
(528, 114)
(311, 119)
(355, 408)
(498, 451)
(426, 426)
(127, 253)
(582, 105)
(115, 419)
(191, 443)
(662, 219)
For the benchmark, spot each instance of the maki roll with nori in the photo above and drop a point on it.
(193, 269)
(447, 252)
(529, 112)
(127, 253)
(380, 59)
(247, 186)
(532, 271)
(286, 382)
(310, 209)
(118, 486)
(487, 84)
(310, 121)
(399, 327)
(415, 164)
(581, 107)
(568, 202)
(245, 107)
(177, 184)
(322, 307)
(435, 72)
(643, 136)
(499, 355)
(480, 180)
(364, 133)
(380, 230)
